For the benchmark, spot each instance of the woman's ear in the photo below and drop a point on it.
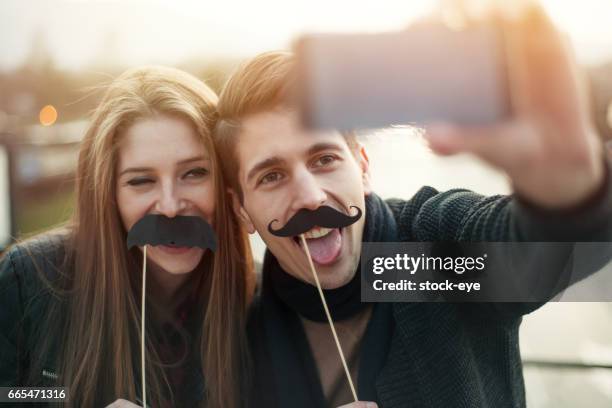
(240, 212)
(364, 164)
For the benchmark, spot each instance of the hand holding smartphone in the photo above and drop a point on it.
(544, 139)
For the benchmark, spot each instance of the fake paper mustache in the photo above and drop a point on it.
(304, 220)
(182, 231)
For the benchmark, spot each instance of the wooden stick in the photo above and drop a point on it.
(142, 327)
(329, 318)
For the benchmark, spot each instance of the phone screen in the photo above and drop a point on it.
(424, 74)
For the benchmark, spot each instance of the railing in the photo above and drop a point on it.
(557, 364)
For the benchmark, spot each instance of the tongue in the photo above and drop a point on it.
(325, 250)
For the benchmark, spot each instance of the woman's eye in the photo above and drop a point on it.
(139, 181)
(270, 178)
(196, 173)
(324, 160)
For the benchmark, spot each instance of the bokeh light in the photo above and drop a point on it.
(48, 115)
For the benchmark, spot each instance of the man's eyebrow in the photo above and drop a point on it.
(145, 169)
(316, 148)
(269, 162)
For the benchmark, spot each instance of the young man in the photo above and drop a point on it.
(403, 354)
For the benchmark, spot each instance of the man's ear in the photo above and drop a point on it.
(240, 212)
(364, 164)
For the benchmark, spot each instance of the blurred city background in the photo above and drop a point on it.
(55, 55)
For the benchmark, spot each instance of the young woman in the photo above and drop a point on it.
(70, 299)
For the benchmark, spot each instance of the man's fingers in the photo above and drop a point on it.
(500, 145)
(542, 71)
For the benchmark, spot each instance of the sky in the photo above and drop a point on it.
(82, 33)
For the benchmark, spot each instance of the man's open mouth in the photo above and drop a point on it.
(324, 244)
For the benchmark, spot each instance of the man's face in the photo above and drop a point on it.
(284, 169)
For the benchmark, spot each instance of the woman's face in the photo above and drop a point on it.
(164, 169)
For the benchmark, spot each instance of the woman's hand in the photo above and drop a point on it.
(360, 404)
(549, 148)
(121, 403)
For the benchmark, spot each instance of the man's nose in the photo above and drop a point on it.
(169, 202)
(307, 192)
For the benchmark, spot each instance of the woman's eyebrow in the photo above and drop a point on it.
(135, 170)
(145, 169)
(193, 159)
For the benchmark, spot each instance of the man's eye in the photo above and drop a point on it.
(270, 178)
(324, 160)
(139, 181)
(196, 173)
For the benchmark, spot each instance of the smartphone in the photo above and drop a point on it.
(424, 74)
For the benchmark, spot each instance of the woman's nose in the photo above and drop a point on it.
(169, 202)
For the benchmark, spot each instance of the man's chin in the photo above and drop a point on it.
(335, 282)
(333, 276)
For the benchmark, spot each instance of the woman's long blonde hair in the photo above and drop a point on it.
(100, 333)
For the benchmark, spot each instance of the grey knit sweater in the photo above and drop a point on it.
(455, 355)
(466, 354)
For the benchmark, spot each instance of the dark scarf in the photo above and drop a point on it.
(345, 301)
(285, 371)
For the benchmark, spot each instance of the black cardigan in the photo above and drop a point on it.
(24, 301)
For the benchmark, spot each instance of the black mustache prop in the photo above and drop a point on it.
(304, 220)
(182, 231)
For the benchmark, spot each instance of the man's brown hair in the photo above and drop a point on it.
(260, 84)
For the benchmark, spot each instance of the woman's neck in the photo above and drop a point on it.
(168, 289)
